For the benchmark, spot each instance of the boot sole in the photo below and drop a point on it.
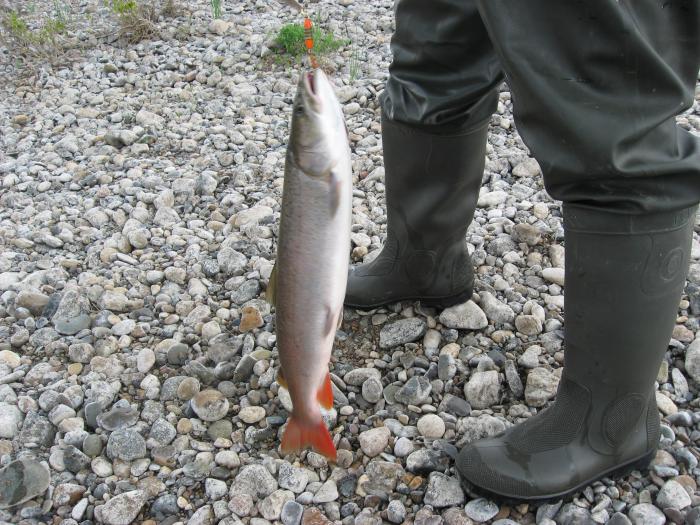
(438, 302)
(641, 463)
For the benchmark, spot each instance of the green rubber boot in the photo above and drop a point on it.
(623, 282)
(432, 185)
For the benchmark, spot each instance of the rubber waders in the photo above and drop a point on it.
(432, 185)
(623, 282)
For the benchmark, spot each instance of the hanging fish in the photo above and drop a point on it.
(307, 285)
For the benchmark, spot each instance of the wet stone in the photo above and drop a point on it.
(291, 513)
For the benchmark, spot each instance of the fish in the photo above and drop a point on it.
(308, 281)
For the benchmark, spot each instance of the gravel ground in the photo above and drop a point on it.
(139, 201)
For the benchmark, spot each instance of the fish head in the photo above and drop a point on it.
(318, 127)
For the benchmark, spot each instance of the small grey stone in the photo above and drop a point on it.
(530, 357)
(220, 429)
(401, 332)
(474, 428)
(75, 460)
(692, 360)
(326, 493)
(10, 420)
(513, 378)
(374, 441)
(646, 514)
(572, 514)
(528, 324)
(118, 417)
(357, 376)
(254, 480)
(121, 509)
(291, 513)
(673, 495)
(178, 354)
(443, 491)
(292, 478)
(431, 426)
(618, 519)
(126, 444)
(416, 391)
(454, 405)
(73, 314)
(21, 481)
(92, 445)
(483, 389)
(447, 368)
(481, 510)
(37, 429)
(396, 511)
(541, 387)
(372, 390)
(495, 310)
(215, 488)
(425, 461)
(210, 405)
(246, 291)
(466, 316)
(403, 447)
(162, 431)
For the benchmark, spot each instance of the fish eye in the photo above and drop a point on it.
(299, 110)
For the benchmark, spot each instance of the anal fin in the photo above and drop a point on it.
(325, 393)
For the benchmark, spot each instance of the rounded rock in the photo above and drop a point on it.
(210, 405)
(431, 426)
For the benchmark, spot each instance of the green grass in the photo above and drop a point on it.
(291, 39)
(124, 7)
(45, 34)
(216, 8)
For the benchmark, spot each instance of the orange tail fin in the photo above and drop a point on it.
(325, 393)
(298, 436)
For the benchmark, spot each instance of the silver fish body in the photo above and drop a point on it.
(310, 275)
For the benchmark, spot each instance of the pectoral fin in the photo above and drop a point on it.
(270, 293)
(280, 378)
(334, 189)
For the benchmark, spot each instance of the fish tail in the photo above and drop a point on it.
(325, 393)
(300, 435)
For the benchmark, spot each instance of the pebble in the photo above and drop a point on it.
(22, 480)
(126, 444)
(541, 386)
(254, 480)
(481, 510)
(401, 332)
(251, 415)
(443, 491)
(374, 441)
(673, 495)
(396, 511)
(646, 514)
(465, 316)
(121, 509)
(483, 389)
(291, 513)
(431, 426)
(210, 405)
(416, 391)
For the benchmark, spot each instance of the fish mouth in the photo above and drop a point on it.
(311, 83)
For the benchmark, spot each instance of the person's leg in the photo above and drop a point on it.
(436, 107)
(596, 86)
